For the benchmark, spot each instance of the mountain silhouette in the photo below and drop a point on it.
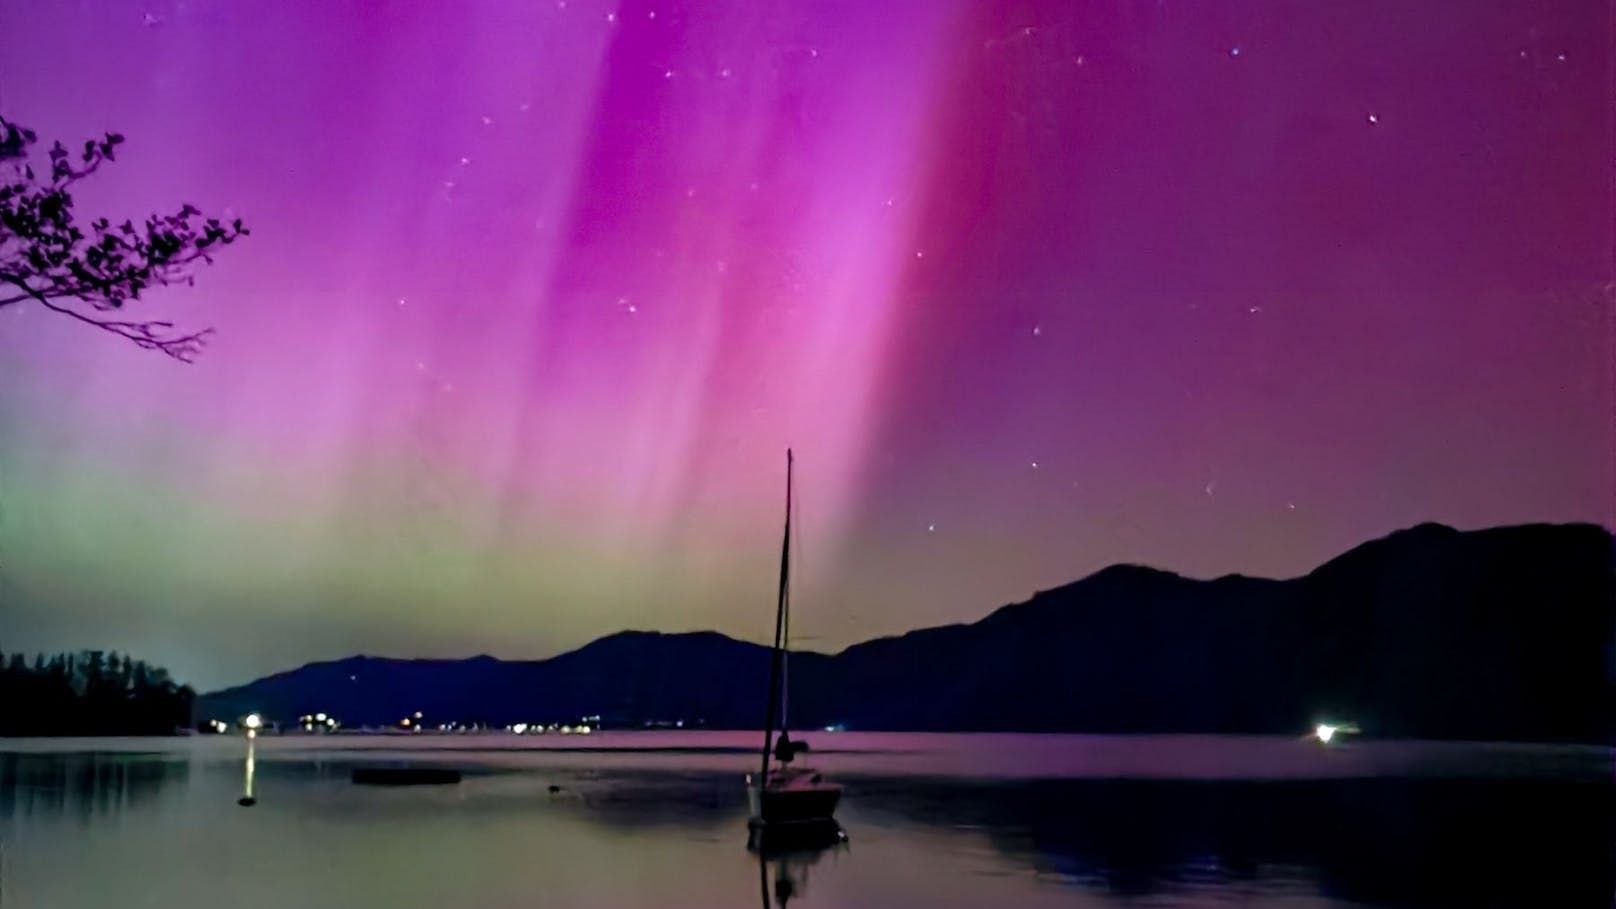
(1431, 632)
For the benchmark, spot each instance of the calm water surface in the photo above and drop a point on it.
(658, 819)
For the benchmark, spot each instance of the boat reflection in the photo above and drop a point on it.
(791, 850)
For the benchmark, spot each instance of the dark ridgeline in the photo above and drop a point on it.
(1503, 634)
(90, 693)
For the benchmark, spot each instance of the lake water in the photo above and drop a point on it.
(659, 819)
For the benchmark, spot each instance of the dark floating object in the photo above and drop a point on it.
(405, 776)
(246, 801)
(554, 788)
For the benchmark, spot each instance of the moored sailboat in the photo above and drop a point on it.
(783, 797)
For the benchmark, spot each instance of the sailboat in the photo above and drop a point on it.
(784, 798)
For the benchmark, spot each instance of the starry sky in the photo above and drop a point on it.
(539, 291)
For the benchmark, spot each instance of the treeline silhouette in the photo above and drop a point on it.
(90, 693)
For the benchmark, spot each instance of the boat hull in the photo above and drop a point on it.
(794, 806)
(794, 802)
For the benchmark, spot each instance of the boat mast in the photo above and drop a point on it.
(776, 656)
(785, 667)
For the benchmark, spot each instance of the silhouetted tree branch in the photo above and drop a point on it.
(47, 258)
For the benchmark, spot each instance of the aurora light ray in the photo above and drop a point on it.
(538, 293)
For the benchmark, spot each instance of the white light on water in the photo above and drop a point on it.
(1325, 732)
(252, 721)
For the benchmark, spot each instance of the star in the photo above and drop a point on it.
(420, 366)
(1373, 118)
(1037, 330)
(1079, 59)
(1254, 309)
(1234, 51)
(651, 14)
(633, 308)
(931, 528)
(724, 73)
(401, 301)
(1560, 57)
(487, 120)
(612, 18)
(1035, 465)
(464, 160)
(1209, 485)
(524, 106)
(667, 74)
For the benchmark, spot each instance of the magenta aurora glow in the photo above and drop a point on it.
(539, 292)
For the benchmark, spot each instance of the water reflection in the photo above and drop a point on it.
(85, 786)
(249, 766)
(506, 834)
(640, 800)
(1396, 841)
(790, 852)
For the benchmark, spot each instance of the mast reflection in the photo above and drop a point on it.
(791, 850)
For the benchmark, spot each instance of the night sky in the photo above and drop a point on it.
(539, 292)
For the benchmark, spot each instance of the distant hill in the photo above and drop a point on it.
(1502, 634)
